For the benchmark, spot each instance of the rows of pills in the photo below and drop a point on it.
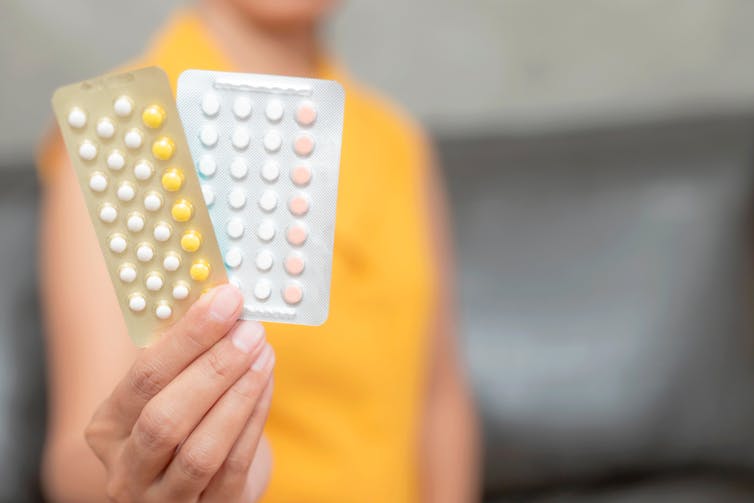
(267, 151)
(128, 149)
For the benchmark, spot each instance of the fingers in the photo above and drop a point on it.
(258, 478)
(175, 411)
(206, 450)
(241, 474)
(206, 322)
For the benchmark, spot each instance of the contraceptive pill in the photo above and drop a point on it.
(97, 182)
(143, 170)
(133, 138)
(135, 222)
(181, 290)
(116, 160)
(129, 152)
(241, 107)
(267, 152)
(153, 116)
(76, 118)
(108, 213)
(163, 148)
(87, 150)
(163, 311)
(127, 273)
(105, 128)
(162, 232)
(171, 262)
(123, 106)
(126, 191)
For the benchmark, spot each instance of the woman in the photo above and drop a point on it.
(371, 406)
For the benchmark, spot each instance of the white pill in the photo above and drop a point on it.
(76, 118)
(97, 182)
(154, 282)
(127, 273)
(262, 289)
(180, 291)
(133, 138)
(209, 195)
(137, 303)
(207, 166)
(87, 150)
(272, 141)
(235, 282)
(108, 213)
(210, 104)
(105, 128)
(163, 311)
(116, 160)
(135, 222)
(242, 107)
(126, 191)
(274, 110)
(233, 257)
(264, 260)
(238, 168)
(123, 106)
(153, 201)
(208, 136)
(266, 230)
(171, 262)
(241, 138)
(269, 200)
(143, 170)
(270, 171)
(144, 252)
(161, 232)
(117, 244)
(235, 228)
(237, 198)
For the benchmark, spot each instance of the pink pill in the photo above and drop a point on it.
(299, 205)
(301, 175)
(293, 293)
(303, 145)
(296, 234)
(306, 114)
(294, 264)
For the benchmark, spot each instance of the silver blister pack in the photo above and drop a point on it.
(267, 152)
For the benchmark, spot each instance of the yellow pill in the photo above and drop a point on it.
(182, 211)
(191, 241)
(172, 179)
(153, 116)
(199, 270)
(163, 148)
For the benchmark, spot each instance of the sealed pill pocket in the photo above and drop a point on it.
(128, 149)
(267, 151)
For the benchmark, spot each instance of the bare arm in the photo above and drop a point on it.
(86, 355)
(450, 431)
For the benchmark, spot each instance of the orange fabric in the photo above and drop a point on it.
(348, 395)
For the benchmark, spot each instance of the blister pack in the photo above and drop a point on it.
(128, 149)
(267, 150)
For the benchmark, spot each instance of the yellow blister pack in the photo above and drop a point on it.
(128, 149)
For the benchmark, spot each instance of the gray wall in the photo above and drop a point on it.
(464, 66)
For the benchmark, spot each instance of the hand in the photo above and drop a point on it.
(185, 423)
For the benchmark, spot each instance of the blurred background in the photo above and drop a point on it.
(599, 162)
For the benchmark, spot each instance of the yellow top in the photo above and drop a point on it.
(349, 394)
